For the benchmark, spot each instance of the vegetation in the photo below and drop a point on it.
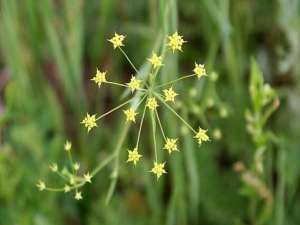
(248, 173)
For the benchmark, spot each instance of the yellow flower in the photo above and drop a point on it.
(130, 115)
(117, 40)
(41, 185)
(170, 95)
(171, 145)
(88, 178)
(155, 60)
(175, 42)
(201, 136)
(99, 78)
(158, 169)
(199, 70)
(133, 156)
(68, 146)
(134, 84)
(89, 121)
(152, 103)
(67, 188)
(78, 195)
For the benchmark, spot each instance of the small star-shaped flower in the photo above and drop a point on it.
(130, 114)
(199, 70)
(67, 188)
(158, 169)
(87, 177)
(171, 145)
(155, 60)
(89, 121)
(134, 84)
(170, 95)
(117, 40)
(68, 146)
(78, 195)
(201, 136)
(152, 103)
(41, 185)
(99, 78)
(133, 156)
(175, 42)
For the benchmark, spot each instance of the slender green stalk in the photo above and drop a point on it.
(160, 125)
(130, 62)
(62, 188)
(154, 136)
(141, 124)
(123, 85)
(114, 109)
(103, 164)
(174, 81)
(175, 113)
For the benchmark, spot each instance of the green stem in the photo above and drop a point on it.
(175, 113)
(161, 128)
(174, 81)
(154, 136)
(114, 109)
(141, 124)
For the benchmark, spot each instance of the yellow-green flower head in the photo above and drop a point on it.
(99, 78)
(130, 114)
(41, 185)
(87, 177)
(152, 103)
(78, 195)
(134, 83)
(133, 156)
(67, 188)
(175, 42)
(89, 121)
(199, 70)
(76, 166)
(72, 180)
(53, 167)
(68, 146)
(201, 136)
(158, 169)
(155, 60)
(170, 95)
(117, 40)
(171, 145)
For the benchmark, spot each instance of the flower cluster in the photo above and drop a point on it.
(70, 176)
(152, 96)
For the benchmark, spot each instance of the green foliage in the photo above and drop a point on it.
(50, 50)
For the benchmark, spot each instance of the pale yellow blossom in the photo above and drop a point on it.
(158, 169)
(130, 114)
(201, 136)
(133, 156)
(170, 95)
(152, 103)
(175, 42)
(89, 121)
(117, 40)
(99, 78)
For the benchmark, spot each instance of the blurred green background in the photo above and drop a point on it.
(49, 53)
